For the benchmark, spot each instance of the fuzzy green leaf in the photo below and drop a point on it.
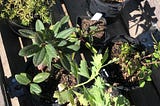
(41, 77)
(75, 46)
(64, 20)
(62, 43)
(39, 57)
(35, 88)
(65, 33)
(51, 51)
(83, 70)
(39, 25)
(22, 78)
(27, 33)
(29, 50)
(55, 28)
(65, 61)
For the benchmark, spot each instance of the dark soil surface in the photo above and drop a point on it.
(101, 26)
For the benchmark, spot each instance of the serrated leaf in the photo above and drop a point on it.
(64, 97)
(97, 65)
(83, 101)
(39, 57)
(35, 88)
(97, 93)
(41, 77)
(83, 70)
(99, 82)
(27, 33)
(22, 78)
(65, 33)
(39, 25)
(29, 50)
(64, 20)
(89, 97)
(51, 51)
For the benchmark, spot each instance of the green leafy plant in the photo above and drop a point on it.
(136, 65)
(25, 11)
(84, 93)
(49, 44)
(25, 79)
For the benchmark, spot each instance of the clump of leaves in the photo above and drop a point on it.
(49, 44)
(25, 79)
(24, 11)
(82, 94)
(135, 65)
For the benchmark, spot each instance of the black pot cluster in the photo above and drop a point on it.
(108, 9)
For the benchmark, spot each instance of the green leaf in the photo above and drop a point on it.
(35, 88)
(41, 77)
(105, 56)
(38, 39)
(89, 97)
(64, 20)
(29, 50)
(62, 43)
(141, 83)
(83, 70)
(55, 28)
(74, 70)
(65, 61)
(27, 33)
(148, 78)
(23, 78)
(99, 83)
(97, 93)
(39, 57)
(51, 51)
(75, 46)
(39, 25)
(65, 33)
(156, 55)
(64, 97)
(97, 65)
(121, 101)
(83, 101)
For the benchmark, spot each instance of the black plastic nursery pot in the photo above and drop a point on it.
(99, 40)
(15, 27)
(108, 9)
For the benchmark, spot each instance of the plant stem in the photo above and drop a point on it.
(78, 85)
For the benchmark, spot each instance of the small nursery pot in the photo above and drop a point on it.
(100, 39)
(111, 9)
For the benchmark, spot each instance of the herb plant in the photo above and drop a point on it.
(25, 11)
